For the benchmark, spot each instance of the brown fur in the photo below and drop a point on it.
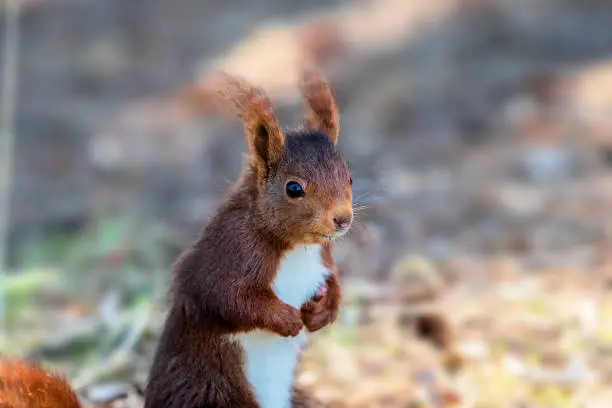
(321, 110)
(222, 284)
(24, 385)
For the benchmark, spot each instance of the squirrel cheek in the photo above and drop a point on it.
(317, 219)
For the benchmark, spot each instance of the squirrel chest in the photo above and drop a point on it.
(270, 360)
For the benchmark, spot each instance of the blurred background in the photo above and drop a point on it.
(479, 135)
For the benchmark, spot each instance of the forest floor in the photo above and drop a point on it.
(537, 340)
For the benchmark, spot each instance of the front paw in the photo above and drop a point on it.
(318, 313)
(287, 321)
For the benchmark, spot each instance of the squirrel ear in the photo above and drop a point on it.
(265, 136)
(322, 112)
(266, 142)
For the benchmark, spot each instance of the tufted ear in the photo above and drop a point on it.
(321, 109)
(251, 104)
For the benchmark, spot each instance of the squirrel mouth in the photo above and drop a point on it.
(332, 237)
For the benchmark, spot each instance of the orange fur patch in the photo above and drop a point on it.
(24, 385)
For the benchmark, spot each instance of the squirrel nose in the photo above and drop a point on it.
(342, 223)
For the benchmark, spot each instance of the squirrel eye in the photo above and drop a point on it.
(351, 180)
(294, 190)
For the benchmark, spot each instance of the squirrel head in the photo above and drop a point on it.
(301, 182)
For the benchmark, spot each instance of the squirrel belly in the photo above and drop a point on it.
(270, 360)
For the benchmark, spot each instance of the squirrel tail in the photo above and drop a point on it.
(25, 385)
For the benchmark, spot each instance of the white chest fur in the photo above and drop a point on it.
(269, 358)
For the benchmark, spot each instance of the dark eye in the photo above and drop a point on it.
(294, 190)
(351, 180)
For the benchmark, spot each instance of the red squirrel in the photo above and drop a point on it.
(261, 275)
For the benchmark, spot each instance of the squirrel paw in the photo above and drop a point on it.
(319, 312)
(287, 321)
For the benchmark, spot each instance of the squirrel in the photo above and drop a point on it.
(261, 275)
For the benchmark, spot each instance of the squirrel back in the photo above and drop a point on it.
(25, 385)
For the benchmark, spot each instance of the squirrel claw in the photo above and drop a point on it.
(318, 312)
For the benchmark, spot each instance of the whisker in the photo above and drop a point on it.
(363, 196)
